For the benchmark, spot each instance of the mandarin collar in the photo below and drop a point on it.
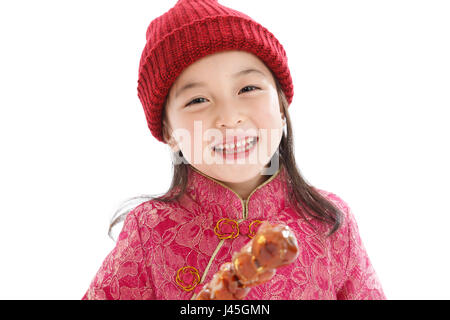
(265, 200)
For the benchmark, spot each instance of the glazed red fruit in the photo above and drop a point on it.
(225, 285)
(274, 246)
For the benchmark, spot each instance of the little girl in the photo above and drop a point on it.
(216, 87)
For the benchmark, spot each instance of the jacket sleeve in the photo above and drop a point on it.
(123, 274)
(360, 281)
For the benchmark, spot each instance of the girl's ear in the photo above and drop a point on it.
(168, 138)
(282, 113)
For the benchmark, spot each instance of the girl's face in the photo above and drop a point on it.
(214, 99)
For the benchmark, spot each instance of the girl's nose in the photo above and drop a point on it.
(229, 123)
(229, 117)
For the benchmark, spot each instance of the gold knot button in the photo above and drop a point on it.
(187, 278)
(252, 228)
(229, 229)
(226, 229)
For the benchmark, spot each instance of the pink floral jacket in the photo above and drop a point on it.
(170, 251)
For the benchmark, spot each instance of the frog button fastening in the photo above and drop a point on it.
(253, 228)
(187, 278)
(226, 229)
(249, 228)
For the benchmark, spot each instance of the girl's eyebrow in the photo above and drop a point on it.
(190, 85)
(203, 84)
(247, 71)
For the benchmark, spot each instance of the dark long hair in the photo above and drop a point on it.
(302, 195)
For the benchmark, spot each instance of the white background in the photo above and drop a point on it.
(370, 115)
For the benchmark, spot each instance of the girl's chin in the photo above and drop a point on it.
(232, 174)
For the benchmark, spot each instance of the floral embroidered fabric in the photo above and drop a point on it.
(169, 251)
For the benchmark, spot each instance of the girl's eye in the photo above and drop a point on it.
(250, 87)
(196, 99)
(192, 102)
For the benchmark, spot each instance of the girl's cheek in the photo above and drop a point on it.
(266, 110)
(269, 120)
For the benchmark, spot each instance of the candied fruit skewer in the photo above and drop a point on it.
(272, 247)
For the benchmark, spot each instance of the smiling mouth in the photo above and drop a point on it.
(237, 148)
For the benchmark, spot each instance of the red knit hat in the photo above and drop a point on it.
(191, 30)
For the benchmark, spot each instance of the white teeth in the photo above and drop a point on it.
(242, 145)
